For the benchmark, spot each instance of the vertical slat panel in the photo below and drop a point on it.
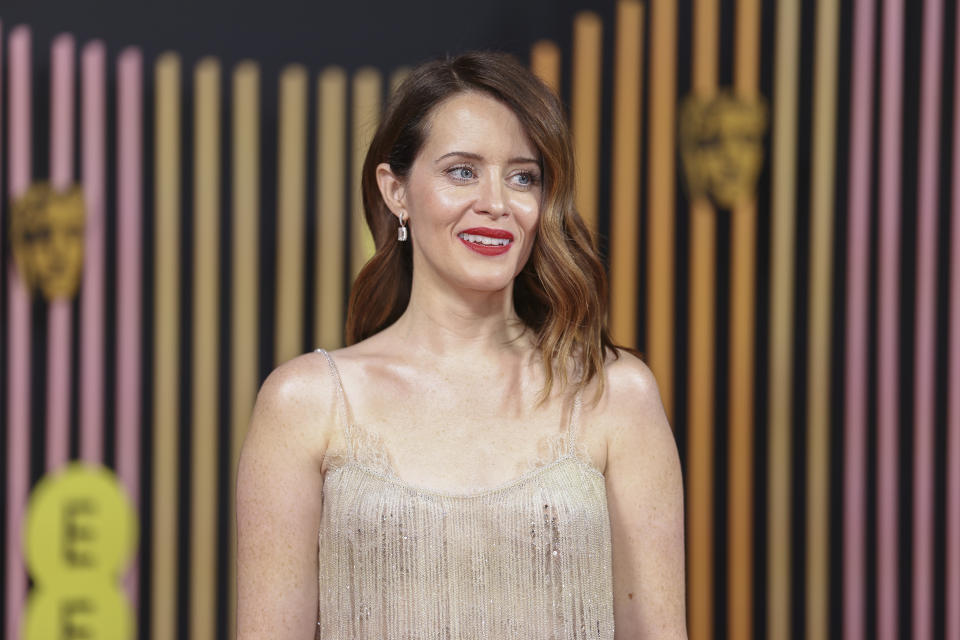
(291, 211)
(823, 163)
(925, 330)
(129, 225)
(545, 63)
(585, 111)
(206, 252)
(366, 117)
(18, 331)
(953, 377)
(703, 252)
(857, 327)
(331, 200)
(166, 347)
(782, 252)
(92, 294)
(625, 196)
(661, 183)
(244, 295)
(60, 311)
(397, 76)
(743, 267)
(888, 361)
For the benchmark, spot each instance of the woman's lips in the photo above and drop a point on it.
(499, 240)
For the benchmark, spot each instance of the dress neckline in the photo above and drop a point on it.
(352, 459)
(470, 495)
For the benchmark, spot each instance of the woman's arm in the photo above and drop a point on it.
(279, 486)
(645, 498)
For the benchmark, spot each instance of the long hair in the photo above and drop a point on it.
(561, 292)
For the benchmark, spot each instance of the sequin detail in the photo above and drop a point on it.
(529, 559)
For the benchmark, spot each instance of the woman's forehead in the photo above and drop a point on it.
(478, 124)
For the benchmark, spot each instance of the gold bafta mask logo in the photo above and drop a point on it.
(721, 146)
(47, 238)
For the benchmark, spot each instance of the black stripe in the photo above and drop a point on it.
(945, 185)
(839, 318)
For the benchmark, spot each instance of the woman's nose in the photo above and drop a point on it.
(491, 200)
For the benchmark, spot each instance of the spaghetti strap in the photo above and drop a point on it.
(342, 410)
(574, 422)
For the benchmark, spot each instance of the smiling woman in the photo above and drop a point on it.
(475, 184)
(443, 475)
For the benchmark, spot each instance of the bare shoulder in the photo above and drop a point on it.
(629, 377)
(631, 398)
(632, 418)
(297, 403)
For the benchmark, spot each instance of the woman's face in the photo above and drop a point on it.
(473, 195)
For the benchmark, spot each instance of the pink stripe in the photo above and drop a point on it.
(953, 380)
(925, 336)
(59, 318)
(61, 122)
(129, 152)
(92, 288)
(889, 326)
(18, 374)
(855, 409)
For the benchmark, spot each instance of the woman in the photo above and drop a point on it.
(481, 461)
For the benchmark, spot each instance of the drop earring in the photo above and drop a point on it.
(402, 234)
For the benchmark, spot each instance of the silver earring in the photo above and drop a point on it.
(402, 234)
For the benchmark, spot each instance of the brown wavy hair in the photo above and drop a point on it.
(561, 292)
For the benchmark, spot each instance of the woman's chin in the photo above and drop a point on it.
(490, 284)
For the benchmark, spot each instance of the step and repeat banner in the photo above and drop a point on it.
(776, 190)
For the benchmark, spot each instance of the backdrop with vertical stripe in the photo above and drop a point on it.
(805, 332)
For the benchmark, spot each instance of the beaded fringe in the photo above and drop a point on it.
(528, 560)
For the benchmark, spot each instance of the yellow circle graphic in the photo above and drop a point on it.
(96, 610)
(79, 522)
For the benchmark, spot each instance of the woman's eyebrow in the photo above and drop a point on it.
(476, 156)
(460, 154)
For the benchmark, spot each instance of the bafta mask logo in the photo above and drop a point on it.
(47, 238)
(721, 147)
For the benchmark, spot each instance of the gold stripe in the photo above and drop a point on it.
(166, 374)
(545, 63)
(331, 200)
(625, 196)
(700, 436)
(397, 77)
(661, 205)
(821, 271)
(206, 250)
(587, 74)
(244, 294)
(743, 266)
(366, 117)
(780, 379)
(703, 243)
(291, 211)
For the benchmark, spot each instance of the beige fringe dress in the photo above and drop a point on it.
(527, 560)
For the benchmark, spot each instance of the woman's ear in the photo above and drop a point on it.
(391, 189)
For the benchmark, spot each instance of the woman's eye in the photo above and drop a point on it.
(525, 179)
(462, 173)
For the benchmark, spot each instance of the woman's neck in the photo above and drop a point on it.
(445, 322)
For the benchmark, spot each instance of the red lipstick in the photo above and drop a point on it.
(487, 249)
